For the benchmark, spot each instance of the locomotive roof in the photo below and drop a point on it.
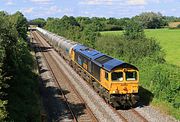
(87, 52)
(102, 60)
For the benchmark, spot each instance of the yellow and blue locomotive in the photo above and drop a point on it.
(115, 80)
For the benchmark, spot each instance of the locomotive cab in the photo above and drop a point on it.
(124, 81)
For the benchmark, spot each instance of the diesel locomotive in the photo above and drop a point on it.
(116, 81)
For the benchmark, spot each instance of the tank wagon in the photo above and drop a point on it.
(116, 81)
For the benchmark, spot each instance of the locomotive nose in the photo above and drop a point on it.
(125, 89)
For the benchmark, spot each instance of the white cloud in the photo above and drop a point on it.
(9, 2)
(115, 8)
(173, 10)
(68, 11)
(97, 2)
(115, 2)
(136, 2)
(155, 1)
(41, 1)
(53, 9)
(27, 10)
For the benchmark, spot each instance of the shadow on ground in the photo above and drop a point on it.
(41, 48)
(145, 98)
(54, 104)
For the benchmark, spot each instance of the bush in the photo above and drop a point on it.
(129, 50)
(24, 80)
(71, 29)
(161, 79)
(18, 84)
(133, 30)
(178, 26)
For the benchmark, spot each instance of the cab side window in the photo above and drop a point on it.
(80, 60)
(106, 75)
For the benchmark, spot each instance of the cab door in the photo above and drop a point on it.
(72, 54)
(104, 79)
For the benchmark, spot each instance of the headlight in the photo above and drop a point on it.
(116, 91)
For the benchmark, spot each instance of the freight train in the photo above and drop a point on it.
(116, 81)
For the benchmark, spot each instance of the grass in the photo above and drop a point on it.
(166, 108)
(169, 40)
(111, 33)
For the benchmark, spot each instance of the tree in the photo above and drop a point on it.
(7, 40)
(3, 13)
(133, 30)
(83, 20)
(112, 21)
(69, 21)
(150, 20)
(16, 65)
(20, 23)
(39, 22)
(178, 26)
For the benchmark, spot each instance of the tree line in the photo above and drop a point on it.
(149, 20)
(18, 83)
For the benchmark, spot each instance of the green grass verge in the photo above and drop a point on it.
(166, 108)
(169, 39)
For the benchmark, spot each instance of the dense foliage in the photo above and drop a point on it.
(18, 83)
(172, 19)
(39, 22)
(178, 26)
(133, 30)
(85, 24)
(71, 29)
(3, 102)
(150, 20)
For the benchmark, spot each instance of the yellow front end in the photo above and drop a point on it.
(124, 81)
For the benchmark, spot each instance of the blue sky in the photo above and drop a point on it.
(101, 8)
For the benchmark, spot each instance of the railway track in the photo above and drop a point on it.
(125, 115)
(139, 115)
(63, 83)
(132, 115)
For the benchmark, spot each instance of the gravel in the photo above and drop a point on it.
(154, 115)
(130, 116)
(54, 106)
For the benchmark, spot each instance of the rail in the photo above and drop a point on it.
(49, 66)
(74, 90)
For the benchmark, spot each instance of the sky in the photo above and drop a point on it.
(100, 8)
